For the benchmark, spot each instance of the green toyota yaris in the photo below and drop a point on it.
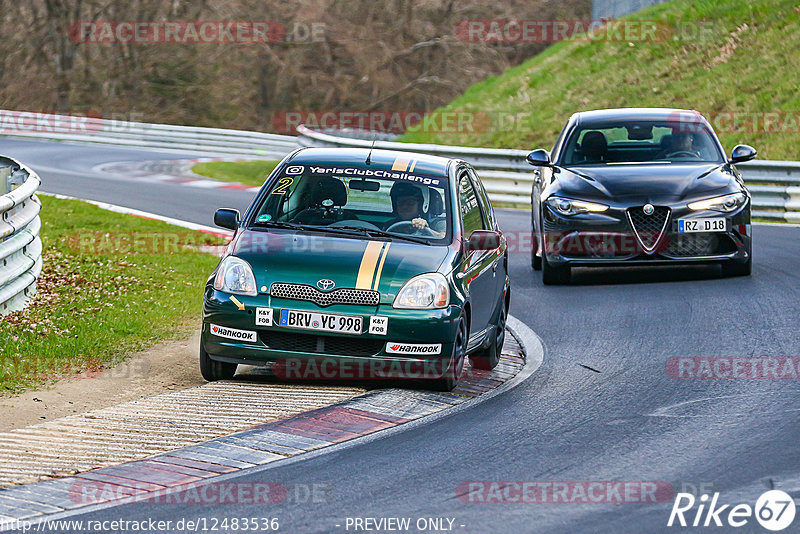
(360, 264)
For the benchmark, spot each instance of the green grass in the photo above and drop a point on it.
(111, 284)
(723, 56)
(245, 172)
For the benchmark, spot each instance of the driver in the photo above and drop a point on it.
(681, 142)
(407, 202)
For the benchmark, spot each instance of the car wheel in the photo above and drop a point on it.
(449, 379)
(488, 358)
(552, 275)
(213, 370)
(730, 268)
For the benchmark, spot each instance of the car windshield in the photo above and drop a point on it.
(657, 142)
(361, 200)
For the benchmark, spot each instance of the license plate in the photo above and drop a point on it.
(321, 321)
(687, 226)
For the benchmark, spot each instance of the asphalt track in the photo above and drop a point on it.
(601, 407)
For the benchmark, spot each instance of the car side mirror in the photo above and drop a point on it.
(742, 153)
(483, 240)
(539, 158)
(227, 218)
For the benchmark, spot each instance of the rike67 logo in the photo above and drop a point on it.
(774, 510)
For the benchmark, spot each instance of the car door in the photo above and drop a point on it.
(476, 266)
(500, 268)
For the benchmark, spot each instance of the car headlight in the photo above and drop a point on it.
(426, 291)
(568, 206)
(725, 203)
(235, 276)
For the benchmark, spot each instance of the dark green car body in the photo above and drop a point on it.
(359, 276)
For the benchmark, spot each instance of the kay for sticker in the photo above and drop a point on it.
(378, 325)
(263, 316)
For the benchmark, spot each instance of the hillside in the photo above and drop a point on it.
(738, 63)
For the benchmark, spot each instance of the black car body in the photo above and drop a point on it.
(639, 186)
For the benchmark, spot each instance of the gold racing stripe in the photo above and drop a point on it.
(368, 262)
(380, 267)
(413, 164)
(400, 163)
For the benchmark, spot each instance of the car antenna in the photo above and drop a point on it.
(369, 156)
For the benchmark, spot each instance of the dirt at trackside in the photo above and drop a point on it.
(164, 367)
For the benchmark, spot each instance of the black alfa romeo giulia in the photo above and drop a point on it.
(639, 186)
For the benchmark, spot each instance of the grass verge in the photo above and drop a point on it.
(736, 62)
(246, 172)
(116, 285)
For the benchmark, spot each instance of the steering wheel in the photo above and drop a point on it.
(400, 227)
(438, 223)
(683, 153)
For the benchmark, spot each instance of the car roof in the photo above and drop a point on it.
(642, 114)
(379, 159)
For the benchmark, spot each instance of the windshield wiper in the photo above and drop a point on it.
(280, 224)
(373, 232)
(311, 228)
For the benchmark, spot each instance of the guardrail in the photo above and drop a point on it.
(20, 245)
(774, 185)
(140, 135)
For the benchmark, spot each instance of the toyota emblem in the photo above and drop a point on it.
(648, 209)
(325, 284)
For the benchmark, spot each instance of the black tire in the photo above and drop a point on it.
(552, 275)
(730, 268)
(213, 370)
(536, 260)
(488, 358)
(449, 379)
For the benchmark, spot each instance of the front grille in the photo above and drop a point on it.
(308, 293)
(316, 344)
(648, 228)
(699, 244)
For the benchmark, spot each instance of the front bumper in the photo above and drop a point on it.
(608, 238)
(276, 343)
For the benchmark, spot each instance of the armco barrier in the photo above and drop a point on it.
(140, 135)
(20, 246)
(774, 185)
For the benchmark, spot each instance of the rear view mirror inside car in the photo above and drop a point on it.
(640, 132)
(364, 185)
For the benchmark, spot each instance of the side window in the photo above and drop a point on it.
(556, 151)
(488, 210)
(470, 208)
